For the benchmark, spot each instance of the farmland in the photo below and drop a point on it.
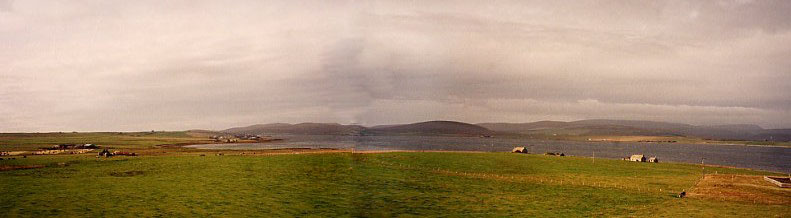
(377, 184)
(121, 140)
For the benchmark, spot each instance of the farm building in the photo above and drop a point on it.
(519, 150)
(73, 146)
(88, 146)
(779, 181)
(637, 158)
(45, 152)
(63, 146)
(653, 160)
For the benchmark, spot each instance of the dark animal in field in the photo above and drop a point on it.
(682, 194)
(105, 153)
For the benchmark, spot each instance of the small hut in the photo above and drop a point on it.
(89, 146)
(782, 182)
(519, 150)
(637, 158)
(653, 160)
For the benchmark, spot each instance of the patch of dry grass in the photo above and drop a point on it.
(741, 188)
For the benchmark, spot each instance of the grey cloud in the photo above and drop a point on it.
(5, 5)
(119, 65)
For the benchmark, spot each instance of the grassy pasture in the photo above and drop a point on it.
(376, 184)
(32, 141)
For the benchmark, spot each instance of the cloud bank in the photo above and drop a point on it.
(141, 65)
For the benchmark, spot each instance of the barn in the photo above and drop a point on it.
(637, 158)
(519, 150)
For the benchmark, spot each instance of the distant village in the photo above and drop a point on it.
(68, 149)
(241, 138)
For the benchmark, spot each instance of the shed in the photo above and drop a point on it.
(782, 182)
(653, 160)
(519, 150)
(89, 146)
(637, 158)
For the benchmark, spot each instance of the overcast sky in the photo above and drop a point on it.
(175, 65)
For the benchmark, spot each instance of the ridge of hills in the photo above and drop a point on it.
(578, 128)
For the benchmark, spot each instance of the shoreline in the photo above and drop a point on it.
(303, 150)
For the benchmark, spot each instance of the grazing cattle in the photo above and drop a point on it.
(682, 194)
(105, 153)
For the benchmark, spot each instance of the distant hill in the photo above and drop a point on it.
(431, 128)
(523, 127)
(642, 128)
(574, 128)
(203, 133)
(423, 128)
(778, 135)
(614, 126)
(298, 129)
(595, 127)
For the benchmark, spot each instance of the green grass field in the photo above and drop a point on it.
(344, 184)
(139, 140)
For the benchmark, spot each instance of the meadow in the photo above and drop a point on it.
(120, 140)
(374, 184)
